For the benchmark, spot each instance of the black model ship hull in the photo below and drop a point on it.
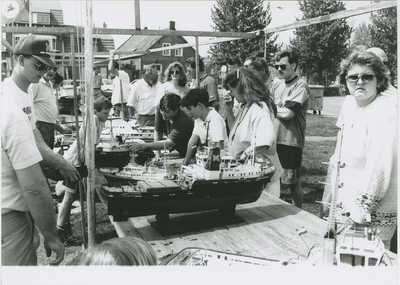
(204, 195)
(117, 159)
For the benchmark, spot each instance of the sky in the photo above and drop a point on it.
(190, 15)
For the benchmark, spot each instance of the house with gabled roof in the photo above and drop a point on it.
(50, 14)
(136, 53)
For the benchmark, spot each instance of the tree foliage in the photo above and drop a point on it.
(361, 37)
(321, 46)
(241, 16)
(384, 34)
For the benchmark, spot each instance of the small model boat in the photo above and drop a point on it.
(215, 181)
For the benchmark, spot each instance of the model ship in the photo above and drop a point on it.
(111, 152)
(214, 182)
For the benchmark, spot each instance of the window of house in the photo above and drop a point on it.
(39, 18)
(179, 52)
(166, 52)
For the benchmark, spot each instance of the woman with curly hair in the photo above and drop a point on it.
(368, 152)
(175, 82)
(252, 130)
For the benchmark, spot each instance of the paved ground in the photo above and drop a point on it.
(331, 106)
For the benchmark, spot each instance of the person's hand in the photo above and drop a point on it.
(137, 147)
(248, 153)
(67, 132)
(228, 99)
(57, 247)
(69, 172)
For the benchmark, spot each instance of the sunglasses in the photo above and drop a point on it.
(176, 72)
(365, 78)
(282, 66)
(40, 66)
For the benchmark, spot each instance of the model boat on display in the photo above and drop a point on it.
(214, 182)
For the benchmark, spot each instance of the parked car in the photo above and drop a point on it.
(107, 87)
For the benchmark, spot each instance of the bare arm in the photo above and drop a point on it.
(285, 113)
(191, 148)
(50, 158)
(159, 145)
(111, 67)
(62, 130)
(37, 195)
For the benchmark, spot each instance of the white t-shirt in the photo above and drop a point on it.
(168, 87)
(116, 95)
(142, 97)
(23, 100)
(216, 128)
(18, 151)
(44, 101)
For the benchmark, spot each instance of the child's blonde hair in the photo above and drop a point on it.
(120, 251)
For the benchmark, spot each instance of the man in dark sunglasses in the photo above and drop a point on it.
(291, 95)
(25, 196)
(390, 92)
(205, 81)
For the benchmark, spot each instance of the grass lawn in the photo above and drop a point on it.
(321, 126)
(313, 171)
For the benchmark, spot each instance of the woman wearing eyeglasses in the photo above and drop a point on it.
(175, 82)
(368, 153)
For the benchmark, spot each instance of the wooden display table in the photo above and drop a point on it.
(268, 228)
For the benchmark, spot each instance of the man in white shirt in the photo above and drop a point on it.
(209, 126)
(46, 111)
(142, 96)
(26, 201)
(121, 89)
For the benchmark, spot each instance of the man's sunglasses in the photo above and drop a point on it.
(175, 72)
(41, 66)
(366, 78)
(282, 66)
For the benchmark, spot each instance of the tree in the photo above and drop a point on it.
(384, 35)
(361, 37)
(241, 16)
(321, 46)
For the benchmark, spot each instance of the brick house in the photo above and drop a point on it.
(139, 45)
(50, 14)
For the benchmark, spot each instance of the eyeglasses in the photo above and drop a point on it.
(387, 63)
(40, 66)
(176, 72)
(282, 66)
(365, 78)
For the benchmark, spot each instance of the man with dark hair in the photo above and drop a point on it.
(233, 64)
(291, 95)
(209, 126)
(177, 126)
(205, 81)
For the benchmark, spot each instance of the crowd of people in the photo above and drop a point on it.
(264, 118)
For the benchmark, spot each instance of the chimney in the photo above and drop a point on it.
(172, 25)
(104, 25)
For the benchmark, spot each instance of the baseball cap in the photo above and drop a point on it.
(37, 48)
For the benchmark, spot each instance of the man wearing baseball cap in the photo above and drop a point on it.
(25, 195)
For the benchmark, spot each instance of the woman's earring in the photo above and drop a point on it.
(237, 73)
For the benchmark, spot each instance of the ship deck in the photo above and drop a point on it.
(268, 228)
